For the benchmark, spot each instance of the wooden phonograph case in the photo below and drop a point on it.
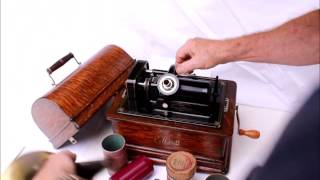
(158, 112)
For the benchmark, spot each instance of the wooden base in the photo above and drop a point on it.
(157, 139)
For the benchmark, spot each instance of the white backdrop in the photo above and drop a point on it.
(35, 33)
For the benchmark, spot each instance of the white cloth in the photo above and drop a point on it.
(35, 33)
(166, 25)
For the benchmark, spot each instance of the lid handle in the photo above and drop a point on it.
(59, 64)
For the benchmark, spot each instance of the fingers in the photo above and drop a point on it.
(183, 58)
(57, 166)
(196, 53)
(186, 67)
(183, 53)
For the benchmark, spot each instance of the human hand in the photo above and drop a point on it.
(58, 166)
(199, 53)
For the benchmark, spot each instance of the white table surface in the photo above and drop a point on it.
(246, 153)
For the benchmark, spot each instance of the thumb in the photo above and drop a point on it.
(69, 154)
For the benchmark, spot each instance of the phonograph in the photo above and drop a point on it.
(160, 112)
(157, 111)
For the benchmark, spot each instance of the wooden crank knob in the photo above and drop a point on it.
(254, 134)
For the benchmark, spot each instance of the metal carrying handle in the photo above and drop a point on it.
(59, 64)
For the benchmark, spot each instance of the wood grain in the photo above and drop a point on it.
(83, 92)
(79, 90)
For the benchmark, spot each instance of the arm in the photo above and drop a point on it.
(293, 43)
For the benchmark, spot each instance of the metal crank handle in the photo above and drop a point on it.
(254, 134)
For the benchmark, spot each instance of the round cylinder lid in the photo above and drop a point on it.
(181, 165)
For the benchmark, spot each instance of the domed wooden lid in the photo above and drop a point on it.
(70, 105)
